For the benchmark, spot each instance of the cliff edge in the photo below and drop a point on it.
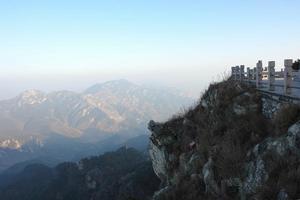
(226, 148)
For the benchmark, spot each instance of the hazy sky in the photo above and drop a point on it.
(69, 44)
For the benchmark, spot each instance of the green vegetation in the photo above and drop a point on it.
(121, 175)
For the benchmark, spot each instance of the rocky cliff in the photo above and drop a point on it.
(226, 148)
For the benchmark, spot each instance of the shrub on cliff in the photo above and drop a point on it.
(225, 126)
(284, 176)
(285, 117)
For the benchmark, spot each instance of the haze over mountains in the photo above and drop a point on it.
(125, 174)
(36, 125)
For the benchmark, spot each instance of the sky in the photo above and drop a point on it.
(70, 44)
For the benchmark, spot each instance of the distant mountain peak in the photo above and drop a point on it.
(31, 97)
(120, 83)
(31, 92)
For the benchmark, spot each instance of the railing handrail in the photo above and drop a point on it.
(286, 78)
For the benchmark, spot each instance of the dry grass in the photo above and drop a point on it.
(227, 137)
(284, 174)
(286, 116)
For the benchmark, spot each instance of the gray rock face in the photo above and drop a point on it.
(175, 161)
(209, 178)
(161, 193)
(193, 163)
(282, 195)
(257, 174)
(159, 161)
(270, 107)
(239, 110)
(293, 137)
(154, 127)
(255, 170)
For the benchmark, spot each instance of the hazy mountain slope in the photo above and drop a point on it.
(111, 107)
(121, 175)
(131, 101)
(60, 149)
(31, 124)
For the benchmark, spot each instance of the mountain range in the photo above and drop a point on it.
(66, 124)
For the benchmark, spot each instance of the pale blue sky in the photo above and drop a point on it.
(69, 44)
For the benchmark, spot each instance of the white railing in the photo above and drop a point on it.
(284, 82)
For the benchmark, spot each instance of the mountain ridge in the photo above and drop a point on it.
(123, 174)
(112, 101)
(103, 110)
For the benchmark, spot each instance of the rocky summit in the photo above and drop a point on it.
(228, 147)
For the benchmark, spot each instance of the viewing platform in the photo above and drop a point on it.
(283, 85)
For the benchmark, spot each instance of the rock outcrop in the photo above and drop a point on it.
(226, 148)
